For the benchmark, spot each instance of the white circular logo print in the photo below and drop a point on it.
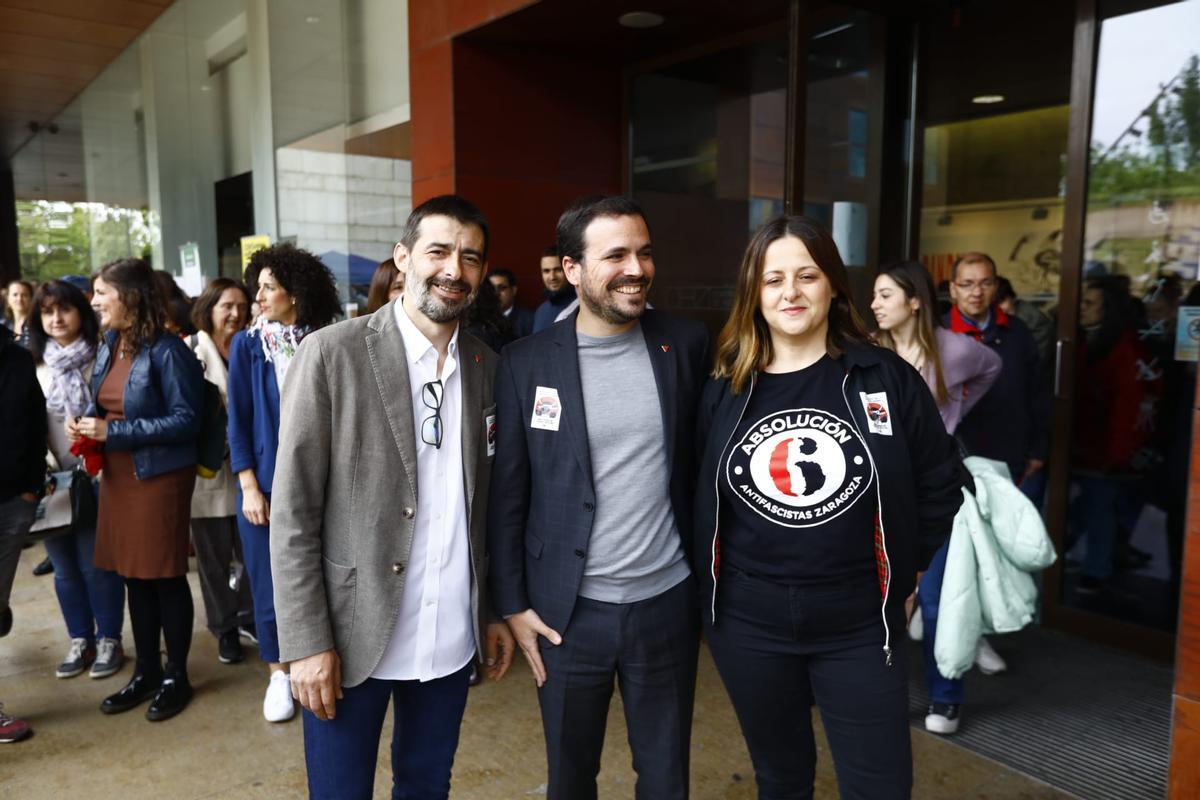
(800, 467)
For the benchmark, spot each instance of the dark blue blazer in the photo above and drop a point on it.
(542, 500)
(164, 398)
(253, 407)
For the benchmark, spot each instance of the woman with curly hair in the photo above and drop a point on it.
(296, 295)
(147, 399)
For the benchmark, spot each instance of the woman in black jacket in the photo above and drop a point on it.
(827, 482)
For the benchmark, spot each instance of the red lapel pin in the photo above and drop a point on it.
(665, 347)
(478, 358)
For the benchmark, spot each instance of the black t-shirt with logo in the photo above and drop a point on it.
(797, 497)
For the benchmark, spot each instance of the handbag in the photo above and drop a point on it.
(70, 506)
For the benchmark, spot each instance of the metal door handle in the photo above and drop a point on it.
(1058, 363)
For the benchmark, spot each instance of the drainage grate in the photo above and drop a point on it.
(1081, 717)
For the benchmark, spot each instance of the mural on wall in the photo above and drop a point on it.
(1024, 238)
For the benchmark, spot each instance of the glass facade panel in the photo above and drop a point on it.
(1138, 327)
(228, 118)
(707, 144)
(842, 145)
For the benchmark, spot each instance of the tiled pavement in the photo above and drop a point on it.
(222, 748)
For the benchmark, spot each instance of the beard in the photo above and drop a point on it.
(436, 309)
(601, 302)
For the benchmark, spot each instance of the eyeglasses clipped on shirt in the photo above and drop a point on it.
(431, 427)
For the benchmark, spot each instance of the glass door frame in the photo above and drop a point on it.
(1096, 627)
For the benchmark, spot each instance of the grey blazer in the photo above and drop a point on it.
(346, 488)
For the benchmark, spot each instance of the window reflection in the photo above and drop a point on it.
(1136, 335)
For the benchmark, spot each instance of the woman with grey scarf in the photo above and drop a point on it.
(63, 332)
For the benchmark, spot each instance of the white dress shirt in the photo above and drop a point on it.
(434, 635)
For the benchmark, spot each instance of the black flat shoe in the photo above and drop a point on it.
(43, 567)
(173, 697)
(137, 691)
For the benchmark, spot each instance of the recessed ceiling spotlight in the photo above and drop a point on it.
(987, 99)
(641, 19)
(204, 87)
(312, 19)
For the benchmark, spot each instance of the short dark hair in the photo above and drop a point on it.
(1004, 290)
(550, 251)
(573, 224)
(507, 274)
(203, 307)
(445, 205)
(304, 277)
(59, 293)
(973, 257)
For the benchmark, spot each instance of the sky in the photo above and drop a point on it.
(1138, 53)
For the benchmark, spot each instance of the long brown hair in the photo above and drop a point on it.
(914, 281)
(744, 344)
(138, 292)
(381, 285)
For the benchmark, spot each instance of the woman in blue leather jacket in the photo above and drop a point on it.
(147, 403)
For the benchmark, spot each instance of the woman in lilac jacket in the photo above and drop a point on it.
(958, 370)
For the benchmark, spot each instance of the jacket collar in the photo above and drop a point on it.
(855, 354)
(960, 324)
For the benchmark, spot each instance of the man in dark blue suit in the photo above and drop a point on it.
(520, 318)
(590, 509)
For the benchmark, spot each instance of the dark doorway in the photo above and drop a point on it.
(235, 219)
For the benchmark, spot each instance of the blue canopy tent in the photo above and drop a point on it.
(349, 270)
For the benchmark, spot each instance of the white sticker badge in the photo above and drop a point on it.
(879, 417)
(490, 424)
(547, 409)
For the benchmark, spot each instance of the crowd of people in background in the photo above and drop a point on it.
(813, 517)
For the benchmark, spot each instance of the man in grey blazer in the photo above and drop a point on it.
(386, 442)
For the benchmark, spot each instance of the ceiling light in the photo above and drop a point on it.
(641, 19)
(312, 19)
(987, 99)
(832, 31)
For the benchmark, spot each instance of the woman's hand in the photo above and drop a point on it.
(92, 427)
(71, 426)
(255, 507)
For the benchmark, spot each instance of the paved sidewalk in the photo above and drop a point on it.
(221, 747)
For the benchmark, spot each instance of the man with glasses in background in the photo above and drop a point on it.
(1011, 422)
(377, 525)
(505, 284)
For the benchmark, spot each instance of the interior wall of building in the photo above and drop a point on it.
(533, 131)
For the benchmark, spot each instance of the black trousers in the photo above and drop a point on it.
(650, 648)
(161, 605)
(779, 649)
(217, 546)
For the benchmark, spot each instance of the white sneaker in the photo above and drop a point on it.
(277, 702)
(987, 659)
(916, 626)
(942, 719)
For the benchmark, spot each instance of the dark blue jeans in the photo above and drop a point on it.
(256, 550)
(92, 599)
(780, 649)
(941, 688)
(340, 753)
